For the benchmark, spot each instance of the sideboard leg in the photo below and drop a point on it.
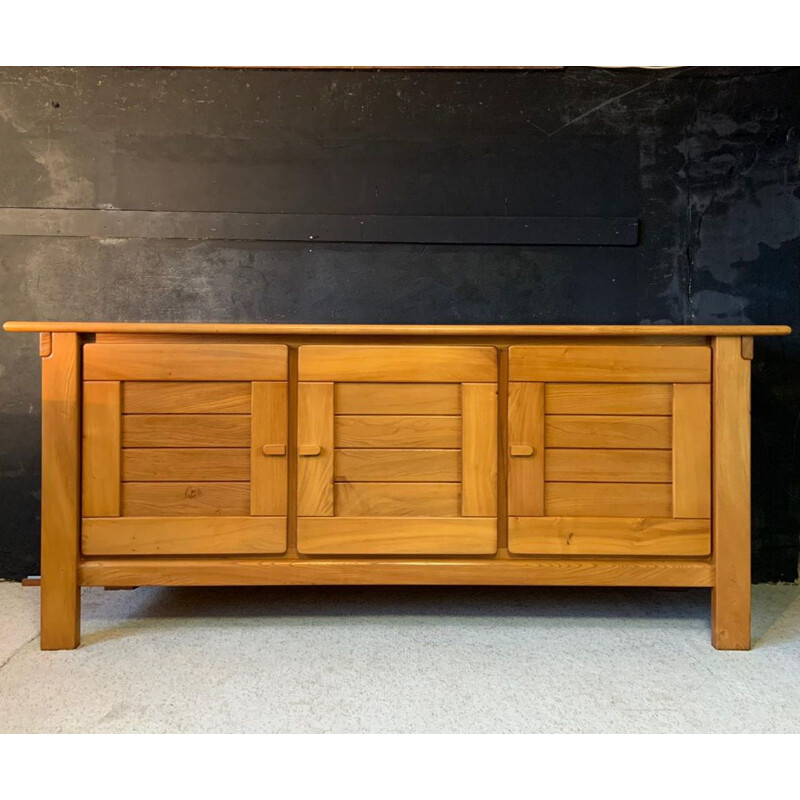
(60, 593)
(730, 596)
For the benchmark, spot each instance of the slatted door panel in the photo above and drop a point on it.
(184, 449)
(397, 450)
(609, 450)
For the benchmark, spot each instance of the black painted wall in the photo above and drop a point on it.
(707, 159)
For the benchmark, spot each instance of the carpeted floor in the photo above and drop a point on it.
(378, 659)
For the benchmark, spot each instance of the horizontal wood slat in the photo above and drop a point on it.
(185, 362)
(189, 397)
(396, 536)
(185, 499)
(614, 466)
(186, 464)
(609, 536)
(608, 499)
(191, 430)
(397, 431)
(608, 398)
(387, 363)
(195, 536)
(397, 499)
(397, 398)
(397, 465)
(394, 571)
(623, 363)
(598, 431)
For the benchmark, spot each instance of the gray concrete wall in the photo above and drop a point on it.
(705, 159)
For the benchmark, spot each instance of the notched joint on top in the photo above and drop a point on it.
(45, 344)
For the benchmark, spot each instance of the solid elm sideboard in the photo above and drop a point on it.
(250, 454)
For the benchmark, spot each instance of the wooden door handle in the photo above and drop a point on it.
(309, 450)
(522, 450)
(274, 449)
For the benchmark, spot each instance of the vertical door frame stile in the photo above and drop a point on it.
(730, 594)
(315, 418)
(479, 449)
(61, 492)
(268, 426)
(502, 450)
(101, 448)
(292, 434)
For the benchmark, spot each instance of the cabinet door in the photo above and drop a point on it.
(184, 449)
(397, 450)
(609, 450)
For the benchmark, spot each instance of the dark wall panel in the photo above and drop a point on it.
(706, 159)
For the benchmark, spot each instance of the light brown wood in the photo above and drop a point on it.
(598, 431)
(619, 364)
(608, 499)
(45, 344)
(183, 536)
(479, 450)
(315, 571)
(397, 465)
(396, 536)
(747, 347)
(185, 464)
(609, 536)
(400, 330)
(397, 499)
(184, 362)
(730, 598)
(189, 397)
(397, 431)
(521, 451)
(101, 448)
(181, 499)
(526, 429)
(185, 430)
(608, 398)
(269, 467)
(61, 494)
(397, 398)
(691, 451)
(612, 466)
(381, 364)
(315, 430)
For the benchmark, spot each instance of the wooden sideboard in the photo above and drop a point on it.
(224, 454)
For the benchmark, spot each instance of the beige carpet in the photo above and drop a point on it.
(379, 659)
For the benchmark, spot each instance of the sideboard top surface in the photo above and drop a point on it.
(397, 330)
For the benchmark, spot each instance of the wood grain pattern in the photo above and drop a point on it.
(186, 464)
(396, 536)
(526, 427)
(364, 571)
(609, 536)
(397, 499)
(315, 429)
(399, 330)
(397, 465)
(611, 466)
(183, 536)
(599, 431)
(609, 398)
(397, 431)
(397, 398)
(381, 364)
(608, 499)
(624, 364)
(185, 430)
(479, 450)
(189, 397)
(180, 499)
(269, 427)
(691, 451)
(185, 362)
(61, 494)
(730, 597)
(101, 448)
